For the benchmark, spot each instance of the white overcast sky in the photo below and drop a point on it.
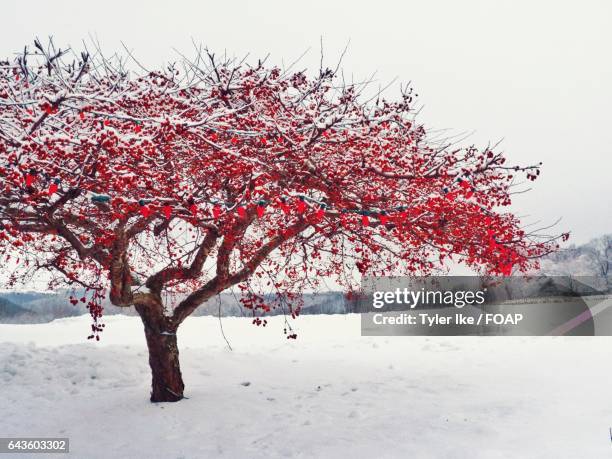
(536, 73)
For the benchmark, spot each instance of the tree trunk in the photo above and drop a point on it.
(167, 383)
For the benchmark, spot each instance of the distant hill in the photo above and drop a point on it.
(10, 309)
(21, 298)
(39, 307)
(36, 307)
(591, 260)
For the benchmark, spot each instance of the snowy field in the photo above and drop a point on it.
(330, 394)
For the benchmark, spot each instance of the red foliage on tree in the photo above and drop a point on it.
(184, 182)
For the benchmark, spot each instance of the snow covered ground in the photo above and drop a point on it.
(330, 394)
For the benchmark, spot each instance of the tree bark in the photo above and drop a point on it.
(167, 381)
